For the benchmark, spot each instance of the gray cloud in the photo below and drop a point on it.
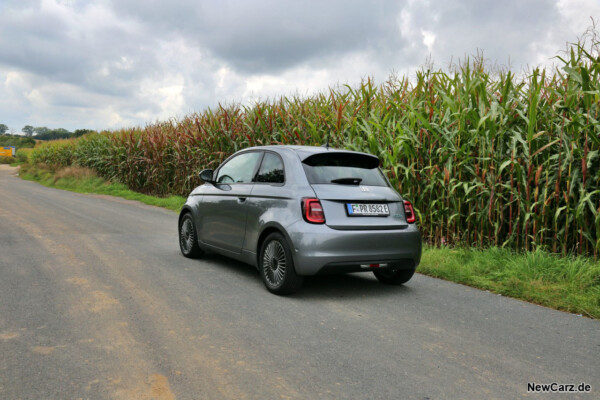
(85, 46)
(112, 63)
(274, 35)
(503, 30)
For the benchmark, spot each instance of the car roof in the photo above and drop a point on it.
(307, 151)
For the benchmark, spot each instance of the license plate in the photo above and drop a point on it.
(356, 210)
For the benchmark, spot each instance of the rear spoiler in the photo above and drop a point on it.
(342, 159)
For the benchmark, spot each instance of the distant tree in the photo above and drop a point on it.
(41, 130)
(43, 133)
(16, 140)
(3, 129)
(28, 130)
(62, 133)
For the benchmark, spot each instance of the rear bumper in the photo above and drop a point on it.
(318, 249)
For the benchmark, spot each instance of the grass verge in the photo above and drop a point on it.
(84, 180)
(569, 284)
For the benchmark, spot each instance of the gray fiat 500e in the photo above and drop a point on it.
(296, 211)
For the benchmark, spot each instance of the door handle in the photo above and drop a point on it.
(241, 199)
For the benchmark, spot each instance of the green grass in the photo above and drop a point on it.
(570, 284)
(89, 183)
(565, 283)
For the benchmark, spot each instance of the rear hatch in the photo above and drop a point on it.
(353, 191)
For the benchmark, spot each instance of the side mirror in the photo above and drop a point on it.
(207, 176)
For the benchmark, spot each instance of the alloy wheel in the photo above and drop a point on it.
(187, 235)
(274, 263)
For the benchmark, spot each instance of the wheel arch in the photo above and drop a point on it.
(184, 210)
(267, 230)
(195, 251)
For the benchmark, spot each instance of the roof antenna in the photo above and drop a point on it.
(326, 145)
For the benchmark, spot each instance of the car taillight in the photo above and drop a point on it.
(410, 212)
(312, 211)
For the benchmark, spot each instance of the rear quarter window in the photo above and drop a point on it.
(271, 169)
(326, 167)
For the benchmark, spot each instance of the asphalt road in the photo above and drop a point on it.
(96, 302)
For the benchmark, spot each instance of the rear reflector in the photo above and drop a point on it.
(373, 265)
(410, 212)
(312, 211)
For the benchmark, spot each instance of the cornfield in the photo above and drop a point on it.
(487, 158)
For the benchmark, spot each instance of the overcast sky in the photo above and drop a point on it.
(106, 64)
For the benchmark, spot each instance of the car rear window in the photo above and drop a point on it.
(327, 167)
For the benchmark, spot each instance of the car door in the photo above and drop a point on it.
(224, 210)
(269, 199)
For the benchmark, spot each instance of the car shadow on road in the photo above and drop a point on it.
(348, 285)
(230, 264)
(353, 285)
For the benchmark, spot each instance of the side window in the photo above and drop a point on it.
(239, 169)
(271, 169)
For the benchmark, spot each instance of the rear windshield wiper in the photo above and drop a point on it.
(347, 181)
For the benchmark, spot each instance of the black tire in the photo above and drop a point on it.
(276, 266)
(391, 277)
(188, 237)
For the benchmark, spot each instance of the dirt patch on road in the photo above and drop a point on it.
(160, 388)
(100, 301)
(43, 350)
(8, 335)
(78, 281)
(7, 169)
(156, 387)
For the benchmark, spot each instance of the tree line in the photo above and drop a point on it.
(16, 140)
(44, 133)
